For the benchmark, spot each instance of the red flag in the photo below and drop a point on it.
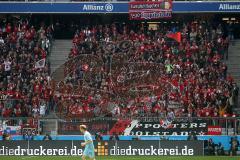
(176, 36)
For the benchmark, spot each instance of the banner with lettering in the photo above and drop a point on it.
(141, 128)
(119, 7)
(150, 10)
(214, 130)
(94, 126)
(137, 127)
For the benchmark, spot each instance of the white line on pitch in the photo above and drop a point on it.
(28, 157)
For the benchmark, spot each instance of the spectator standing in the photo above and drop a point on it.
(47, 137)
(234, 144)
(42, 109)
(211, 147)
(220, 149)
(192, 136)
(235, 94)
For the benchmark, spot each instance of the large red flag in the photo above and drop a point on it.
(176, 36)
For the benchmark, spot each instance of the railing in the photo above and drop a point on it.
(105, 125)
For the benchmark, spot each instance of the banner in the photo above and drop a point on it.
(103, 148)
(143, 10)
(116, 7)
(13, 130)
(138, 128)
(29, 130)
(72, 128)
(40, 148)
(5, 95)
(214, 130)
(156, 148)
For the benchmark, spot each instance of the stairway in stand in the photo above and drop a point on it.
(233, 64)
(59, 55)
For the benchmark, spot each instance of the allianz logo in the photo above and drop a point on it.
(229, 7)
(92, 7)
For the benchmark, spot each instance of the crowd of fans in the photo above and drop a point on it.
(25, 84)
(124, 70)
(119, 70)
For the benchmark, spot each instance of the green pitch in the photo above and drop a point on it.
(120, 158)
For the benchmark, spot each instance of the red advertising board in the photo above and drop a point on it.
(214, 130)
(150, 10)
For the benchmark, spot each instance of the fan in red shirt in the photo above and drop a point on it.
(157, 108)
(32, 31)
(134, 110)
(17, 110)
(17, 95)
(8, 28)
(76, 39)
(79, 109)
(46, 94)
(6, 112)
(13, 38)
(124, 110)
(37, 88)
(74, 52)
(72, 109)
(43, 53)
(28, 35)
(86, 107)
(35, 101)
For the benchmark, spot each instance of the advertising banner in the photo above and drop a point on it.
(157, 148)
(103, 148)
(214, 130)
(150, 10)
(40, 148)
(155, 11)
(206, 7)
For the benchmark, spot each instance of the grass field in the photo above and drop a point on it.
(120, 158)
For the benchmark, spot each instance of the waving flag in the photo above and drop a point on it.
(40, 63)
(176, 36)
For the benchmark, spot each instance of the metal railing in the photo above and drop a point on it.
(229, 125)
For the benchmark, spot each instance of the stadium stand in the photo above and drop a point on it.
(151, 77)
(126, 70)
(24, 71)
